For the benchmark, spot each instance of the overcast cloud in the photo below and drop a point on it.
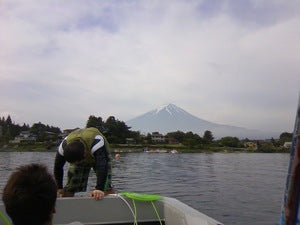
(229, 62)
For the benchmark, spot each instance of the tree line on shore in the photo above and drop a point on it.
(117, 132)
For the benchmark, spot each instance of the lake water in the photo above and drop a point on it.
(234, 188)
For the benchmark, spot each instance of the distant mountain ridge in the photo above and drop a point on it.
(169, 118)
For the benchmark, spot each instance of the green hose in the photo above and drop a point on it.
(144, 198)
(157, 214)
(135, 214)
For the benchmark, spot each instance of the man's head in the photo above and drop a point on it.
(74, 151)
(29, 195)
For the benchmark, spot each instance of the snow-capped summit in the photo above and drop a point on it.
(169, 118)
(169, 108)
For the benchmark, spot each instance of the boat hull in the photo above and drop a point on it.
(114, 209)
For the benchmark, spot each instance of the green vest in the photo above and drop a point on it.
(86, 136)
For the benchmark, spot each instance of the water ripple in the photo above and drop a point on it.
(232, 188)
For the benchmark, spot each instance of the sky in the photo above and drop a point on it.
(225, 61)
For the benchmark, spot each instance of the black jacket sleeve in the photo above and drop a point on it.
(101, 167)
(59, 170)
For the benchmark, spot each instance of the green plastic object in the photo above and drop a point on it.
(142, 197)
(4, 218)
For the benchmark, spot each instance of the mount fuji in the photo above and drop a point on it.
(170, 118)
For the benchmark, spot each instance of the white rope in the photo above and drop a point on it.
(124, 200)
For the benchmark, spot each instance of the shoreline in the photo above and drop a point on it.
(155, 150)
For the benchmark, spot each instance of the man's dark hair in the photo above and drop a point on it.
(74, 151)
(29, 195)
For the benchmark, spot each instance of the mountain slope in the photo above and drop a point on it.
(170, 118)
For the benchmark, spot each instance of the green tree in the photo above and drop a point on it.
(38, 128)
(230, 142)
(55, 130)
(136, 135)
(275, 143)
(96, 122)
(9, 129)
(7, 136)
(8, 121)
(116, 131)
(178, 135)
(285, 137)
(266, 147)
(208, 137)
(25, 127)
(42, 131)
(14, 130)
(149, 138)
(192, 140)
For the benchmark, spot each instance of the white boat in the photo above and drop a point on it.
(117, 209)
(174, 151)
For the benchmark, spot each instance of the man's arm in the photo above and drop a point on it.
(101, 158)
(101, 167)
(59, 166)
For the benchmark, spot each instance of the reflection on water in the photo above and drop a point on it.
(232, 188)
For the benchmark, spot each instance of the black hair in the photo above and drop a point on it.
(74, 151)
(29, 195)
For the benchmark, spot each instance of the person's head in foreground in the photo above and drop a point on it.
(29, 195)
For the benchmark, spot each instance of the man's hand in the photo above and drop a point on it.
(60, 193)
(97, 194)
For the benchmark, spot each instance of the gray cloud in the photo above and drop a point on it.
(229, 63)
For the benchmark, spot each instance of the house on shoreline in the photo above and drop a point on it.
(24, 136)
